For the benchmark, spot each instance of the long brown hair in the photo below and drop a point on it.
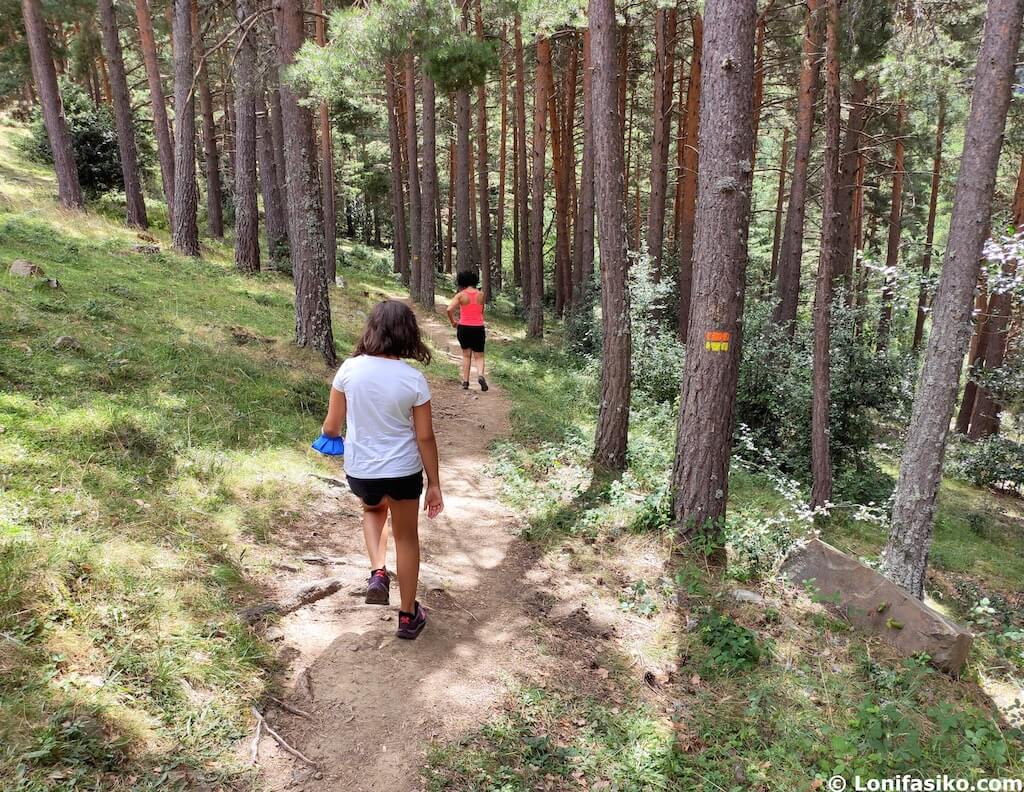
(392, 331)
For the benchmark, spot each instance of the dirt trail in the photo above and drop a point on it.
(377, 701)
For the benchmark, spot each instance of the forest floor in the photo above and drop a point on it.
(156, 480)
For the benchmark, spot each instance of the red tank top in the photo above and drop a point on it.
(471, 314)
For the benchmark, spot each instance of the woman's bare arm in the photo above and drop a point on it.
(423, 422)
(456, 301)
(337, 410)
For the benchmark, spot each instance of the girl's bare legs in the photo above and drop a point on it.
(481, 367)
(405, 524)
(467, 359)
(375, 533)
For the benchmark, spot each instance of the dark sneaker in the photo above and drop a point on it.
(465, 386)
(378, 587)
(411, 624)
(483, 384)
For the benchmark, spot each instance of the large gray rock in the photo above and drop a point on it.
(878, 606)
(26, 269)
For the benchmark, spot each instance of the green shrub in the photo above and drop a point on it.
(732, 646)
(93, 138)
(994, 463)
(774, 399)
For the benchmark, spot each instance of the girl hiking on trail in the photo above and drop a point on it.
(469, 328)
(384, 404)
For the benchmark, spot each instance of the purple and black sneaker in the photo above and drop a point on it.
(411, 624)
(378, 587)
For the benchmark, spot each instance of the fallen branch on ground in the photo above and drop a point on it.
(289, 708)
(254, 757)
(304, 595)
(281, 741)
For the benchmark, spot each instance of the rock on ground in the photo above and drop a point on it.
(878, 606)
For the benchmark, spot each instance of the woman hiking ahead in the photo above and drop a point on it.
(469, 328)
(384, 404)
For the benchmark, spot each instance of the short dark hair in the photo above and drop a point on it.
(467, 279)
(392, 330)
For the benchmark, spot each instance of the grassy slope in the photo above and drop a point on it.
(146, 480)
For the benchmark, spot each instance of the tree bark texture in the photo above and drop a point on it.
(247, 214)
(780, 197)
(708, 394)
(136, 205)
(306, 220)
(831, 240)
(482, 173)
(522, 183)
(661, 125)
(616, 375)
(689, 174)
(184, 229)
(327, 162)
(214, 200)
(69, 191)
(158, 103)
(787, 284)
(583, 251)
(274, 220)
(535, 311)
(429, 194)
(413, 172)
(400, 244)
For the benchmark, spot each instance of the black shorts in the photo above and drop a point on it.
(373, 491)
(471, 337)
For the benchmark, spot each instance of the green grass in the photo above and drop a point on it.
(148, 479)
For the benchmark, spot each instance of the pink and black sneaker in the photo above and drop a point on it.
(411, 625)
(378, 588)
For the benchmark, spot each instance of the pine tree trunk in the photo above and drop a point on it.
(562, 255)
(700, 476)
(247, 213)
(570, 188)
(661, 126)
(831, 239)
(184, 230)
(758, 82)
(277, 127)
(892, 256)
(274, 220)
(413, 172)
(214, 201)
(306, 240)
(451, 195)
(327, 162)
(482, 169)
(161, 127)
(400, 244)
(780, 197)
(929, 233)
(535, 312)
(136, 205)
(584, 248)
(69, 191)
(688, 194)
(616, 376)
(787, 283)
(975, 354)
(848, 165)
(905, 557)
(429, 194)
(499, 234)
(522, 185)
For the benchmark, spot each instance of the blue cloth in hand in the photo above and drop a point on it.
(331, 446)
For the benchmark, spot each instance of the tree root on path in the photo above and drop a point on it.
(261, 724)
(289, 708)
(304, 595)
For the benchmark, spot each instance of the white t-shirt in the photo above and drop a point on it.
(380, 394)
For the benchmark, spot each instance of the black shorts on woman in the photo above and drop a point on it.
(373, 491)
(471, 337)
